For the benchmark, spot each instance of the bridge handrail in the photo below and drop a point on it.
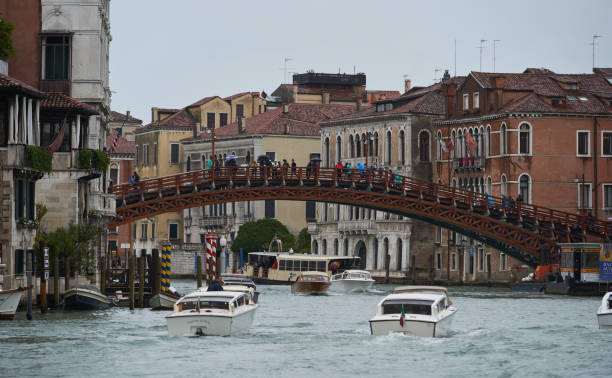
(370, 178)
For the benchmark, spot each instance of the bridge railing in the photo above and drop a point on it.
(369, 179)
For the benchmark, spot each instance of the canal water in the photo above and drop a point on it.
(496, 333)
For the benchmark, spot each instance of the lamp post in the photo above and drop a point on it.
(369, 137)
(582, 193)
(464, 244)
(223, 243)
(211, 131)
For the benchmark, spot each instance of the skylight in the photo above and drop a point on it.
(582, 98)
(571, 98)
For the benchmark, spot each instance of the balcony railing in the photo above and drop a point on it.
(364, 226)
(472, 163)
(218, 221)
(102, 204)
(61, 86)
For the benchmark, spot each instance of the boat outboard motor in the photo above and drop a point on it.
(199, 332)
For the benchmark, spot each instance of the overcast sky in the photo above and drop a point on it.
(171, 53)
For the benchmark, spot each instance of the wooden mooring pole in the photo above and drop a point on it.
(199, 268)
(132, 272)
(56, 282)
(103, 275)
(141, 280)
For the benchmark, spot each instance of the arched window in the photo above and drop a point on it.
(345, 247)
(358, 145)
(375, 264)
(315, 247)
(376, 144)
(488, 140)
(504, 183)
(471, 185)
(336, 250)
(460, 183)
(351, 147)
(524, 188)
(454, 182)
(385, 250)
(248, 157)
(338, 148)
(459, 145)
(438, 146)
(489, 184)
(324, 247)
(424, 145)
(398, 265)
(402, 147)
(524, 139)
(388, 148)
(454, 139)
(481, 142)
(502, 140)
(326, 152)
(482, 185)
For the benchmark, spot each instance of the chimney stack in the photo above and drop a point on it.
(154, 114)
(285, 108)
(326, 97)
(241, 124)
(407, 84)
(286, 129)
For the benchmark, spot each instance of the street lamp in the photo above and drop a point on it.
(464, 245)
(211, 130)
(369, 137)
(223, 243)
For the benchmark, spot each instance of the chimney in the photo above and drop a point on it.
(450, 91)
(127, 114)
(446, 75)
(154, 114)
(285, 108)
(241, 124)
(326, 97)
(286, 129)
(407, 84)
(499, 82)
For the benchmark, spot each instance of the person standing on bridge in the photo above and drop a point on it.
(293, 167)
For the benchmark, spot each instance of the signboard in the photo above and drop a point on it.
(125, 245)
(471, 250)
(605, 263)
(46, 262)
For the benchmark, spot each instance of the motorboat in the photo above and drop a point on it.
(9, 300)
(164, 300)
(85, 297)
(604, 313)
(414, 310)
(241, 283)
(351, 281)
(311, 283)
(211, 313)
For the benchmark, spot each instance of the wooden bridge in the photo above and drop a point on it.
(526, 232)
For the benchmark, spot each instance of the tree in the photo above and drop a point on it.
(256, 236)
(303, 241)
(6, 43)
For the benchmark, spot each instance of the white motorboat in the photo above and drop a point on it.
(604, 313)
(86, 297)
(351, 281)
(9, 300)
(415, 310)
(163, 301)
(212, 313)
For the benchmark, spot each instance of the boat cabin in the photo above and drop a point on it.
(353, 275)
(313, 277)
(284, 266)
(414, 304)
(579, 261)
(209, 301)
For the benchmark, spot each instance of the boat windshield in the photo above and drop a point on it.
(221, 303)
(417, 307)
(359, 276)
(314, 278)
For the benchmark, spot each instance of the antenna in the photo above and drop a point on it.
(495, 40)
(595, 36)
(285, 69)
(455, 57)
(481, 47)
(436, 73)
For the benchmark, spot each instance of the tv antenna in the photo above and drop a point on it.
(495, 40)
(285, 69)
(436, 70)
(595, 36)
(481, 47)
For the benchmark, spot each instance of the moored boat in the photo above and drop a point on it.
(163, 300)
(9, 300)
(604, 313)
(415, 310)
(85, 297)
(352, 281)
(311, 283)
(211, 313)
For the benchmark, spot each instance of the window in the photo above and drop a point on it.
(452, 236)
(453, 261)
(380, 108)
(439, 235)
(503, 261)
(480, 259)
(144, 231)
(311, 211)
(351, 146)
(271, 155)
(502, 140)
(134, 231)
(114, 174)
(489, 184)
(607, 193)
(438, 260)
(388, 147)
(30, 200)
(269, 209)
(56, 57)
(145, 151)
(357, 145)
(466, 101)
(338, 148)
(136, 156)
(439, 146)
(424, 146)
(584, 197)
(402, 146)
(524, 188)
(4, 122)
(174, 153)
(583, 145)
(388, 106)
(488, 140)
(154, 153)
(152, 230)
(476, 101)
(19, 198)
(173, 231)
(19, 261)
(606, 143)
(50, 130)
(223, 119)
(210, 120)
(239, 111)
(375, 144)
(503, 188)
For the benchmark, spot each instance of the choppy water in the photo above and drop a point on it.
(495, 334)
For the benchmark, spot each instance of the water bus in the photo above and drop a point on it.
(578, 272)
(283, 267)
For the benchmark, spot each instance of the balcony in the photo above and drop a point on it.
(363, 226)
(473, 163)
(61, 86)
(220, 222)
(101, 204)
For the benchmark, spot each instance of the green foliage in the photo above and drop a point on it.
(256, 236)
(85, 158)
(303, 241)
(6, 43)
(39, 158)
(74, 243)
(100, 160)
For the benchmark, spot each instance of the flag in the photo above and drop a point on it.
(449, 145)
(198, 305)
(471, 144)
(57, 142)
(442, 144)
(402, 316)
(116, 139)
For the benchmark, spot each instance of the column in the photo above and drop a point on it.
(370, 253)
(76, 137)
(11, 124)
(29, 123)
(37, 124)
(16, 135)
(394, 254)
(24, 120)
(405, 253)
(381, 253)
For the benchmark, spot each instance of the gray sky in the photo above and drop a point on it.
(172, 53)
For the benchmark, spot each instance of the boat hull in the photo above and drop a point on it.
(386, 324)
(310, 287)
(605, 320)
(351, 286)
(162, 301)
(83, 299)
(9, 300)
(210, 324)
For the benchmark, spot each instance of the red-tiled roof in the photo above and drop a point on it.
(120, 117)
(11, 84)
(59, 101)
(181, 119)
(203, 101)
(379, 95)
(300, 120)
(604, 71)
(124, 146)
(238, 95)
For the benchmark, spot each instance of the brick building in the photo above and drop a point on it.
(542, 137)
